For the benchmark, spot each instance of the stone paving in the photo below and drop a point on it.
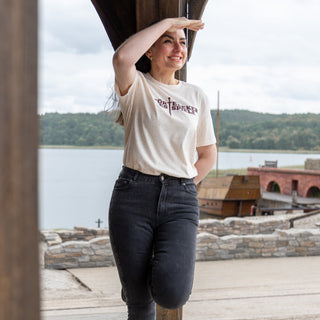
(252, 289)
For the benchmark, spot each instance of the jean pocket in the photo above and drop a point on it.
(191, 188)
(122, 184)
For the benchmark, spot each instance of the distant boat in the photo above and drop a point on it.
(229, 196)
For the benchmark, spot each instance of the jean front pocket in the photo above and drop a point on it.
(191, 188)
(122, 184)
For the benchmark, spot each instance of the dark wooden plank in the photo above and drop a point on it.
(147, 12)
(118, 18)
(19, 294)
(196, 9)
(164, 314)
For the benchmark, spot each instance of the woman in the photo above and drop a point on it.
(153, 214)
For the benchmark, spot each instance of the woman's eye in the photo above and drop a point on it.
(167, 41)
(183, 43)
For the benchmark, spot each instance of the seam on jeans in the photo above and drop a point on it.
(119, 267)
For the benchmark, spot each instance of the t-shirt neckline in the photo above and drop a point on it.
(170, 86)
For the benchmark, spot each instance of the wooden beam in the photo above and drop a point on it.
(171, 9)
(164, 314)
(19, 274)
(195, 11)
(118, 18)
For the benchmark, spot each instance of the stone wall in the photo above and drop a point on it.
(77, 248)
(77, 234)
(282, 243)
(242, 226)
(79, 254)
(231, 238)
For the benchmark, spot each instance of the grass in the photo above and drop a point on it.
(243, 171)
(226, 149)
(222, 173)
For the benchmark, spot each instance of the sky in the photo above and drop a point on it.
(262, 56)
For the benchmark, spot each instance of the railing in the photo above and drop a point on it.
(312, 213)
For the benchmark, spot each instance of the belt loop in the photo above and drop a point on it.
(136, 175)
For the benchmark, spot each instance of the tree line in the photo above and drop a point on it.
(252, 130)
(239, 129)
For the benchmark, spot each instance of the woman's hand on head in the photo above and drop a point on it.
(182, 23)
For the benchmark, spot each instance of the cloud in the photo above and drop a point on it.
(262, 55)
(71, 25)
(75, 83)
(75, 58)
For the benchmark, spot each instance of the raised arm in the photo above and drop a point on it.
(128, 54)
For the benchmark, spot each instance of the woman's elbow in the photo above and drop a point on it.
(117, 60)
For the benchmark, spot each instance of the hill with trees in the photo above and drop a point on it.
(80, 129)
(253, 130)
(239, 129)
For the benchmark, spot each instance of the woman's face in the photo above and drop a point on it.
(169, 51)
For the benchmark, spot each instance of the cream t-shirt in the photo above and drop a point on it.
(163, 126)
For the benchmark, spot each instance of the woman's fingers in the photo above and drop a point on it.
(195, 25)
(182, 22)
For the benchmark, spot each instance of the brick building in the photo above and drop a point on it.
(285, 181)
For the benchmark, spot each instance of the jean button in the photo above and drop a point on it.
(162, 178)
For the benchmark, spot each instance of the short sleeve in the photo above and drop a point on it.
(127, 100)
(205, 132)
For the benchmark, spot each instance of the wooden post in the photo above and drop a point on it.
(217, 133)
(19, 294)
(165, 314)
(172, 9)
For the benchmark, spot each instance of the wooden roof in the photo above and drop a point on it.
(122, 18)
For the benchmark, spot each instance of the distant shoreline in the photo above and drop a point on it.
(79, 147)
(221, 149)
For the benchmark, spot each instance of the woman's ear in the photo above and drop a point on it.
(149, 54)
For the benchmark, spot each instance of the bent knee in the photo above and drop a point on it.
(171, 298)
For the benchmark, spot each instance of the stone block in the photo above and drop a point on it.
(98, 258)
(100, 241)
(100, 252)
(255, 244)
(84, 258)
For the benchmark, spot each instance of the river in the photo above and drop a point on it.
(75, 185)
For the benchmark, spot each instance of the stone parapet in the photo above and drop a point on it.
(231, 238)
(281, 243)
(242, 226)
(77, 234)
(79, 254)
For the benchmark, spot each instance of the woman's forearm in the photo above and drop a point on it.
(134, 47)
(207, 157)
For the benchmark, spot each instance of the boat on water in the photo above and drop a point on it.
(229, 196)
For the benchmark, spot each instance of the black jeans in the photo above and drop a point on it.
(153, 226)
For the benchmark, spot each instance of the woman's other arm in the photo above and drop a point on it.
(207, 156)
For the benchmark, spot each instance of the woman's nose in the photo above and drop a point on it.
(177, 46)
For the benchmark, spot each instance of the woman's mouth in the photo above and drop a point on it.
(175, 58)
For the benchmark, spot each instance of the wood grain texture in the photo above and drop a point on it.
(19, 294)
